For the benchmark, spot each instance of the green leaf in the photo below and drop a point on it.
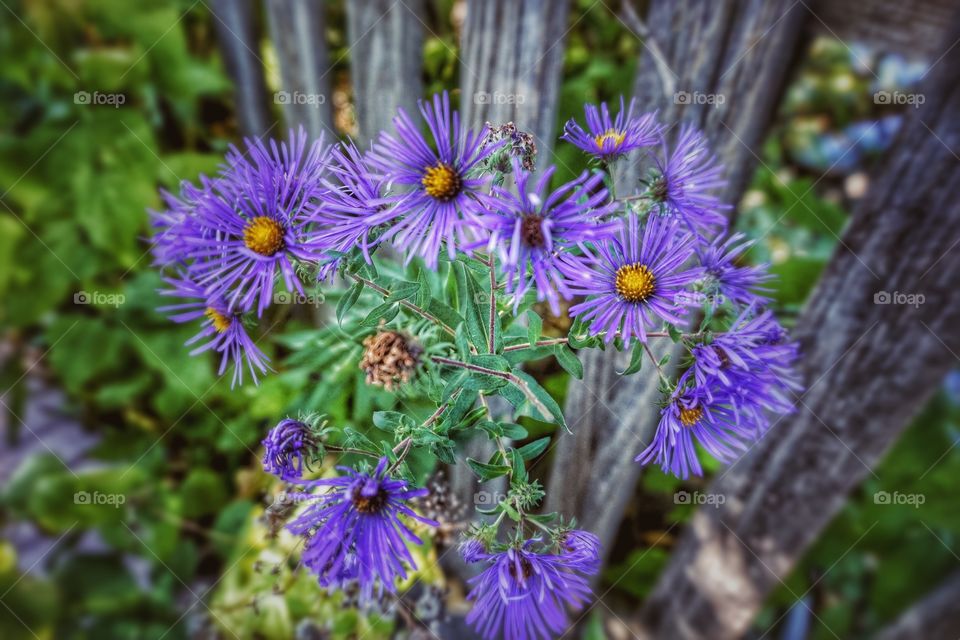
(348, 300)
(391, 420)
(569, 361)
(533, 449)
(386, 312)
(534, 327)
(539, 400)
(519, 473)
(513, 431)
(636, 360)
(403, 290)
(423, 293)
(486, 471)
(675, 334)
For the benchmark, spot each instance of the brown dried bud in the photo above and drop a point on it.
(390, 358)
(520, 144)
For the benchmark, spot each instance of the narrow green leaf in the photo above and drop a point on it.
(403, 290)
(386, 312)
(348, 300)
(486, 471)
(533, 449)
(519, 474)
(636, 360)
(534, 327)
(570, 362)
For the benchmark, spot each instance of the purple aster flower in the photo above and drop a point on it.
(607, 138)
(581, 550)
(752, 359)
(632, 281)
(257, 214)
(525, 595)
(725, 279)
(290, 447)
(351, 208)
(684, 180)
(690, 418)
(222, 326)
(443, 187)
(176, 226)
(529, 230)
(355, 530)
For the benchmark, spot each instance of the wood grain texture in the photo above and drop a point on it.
(297, 31)
(512, 56)
(235, 23)
(386, 61)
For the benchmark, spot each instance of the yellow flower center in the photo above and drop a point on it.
(220, 322)
(609, 134)
(441, 182)
(690, 417)
(263, 235)
(635, 282)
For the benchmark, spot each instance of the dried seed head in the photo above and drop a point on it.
(389, 358)
(519, 144)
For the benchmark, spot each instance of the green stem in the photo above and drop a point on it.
(406, 303)
(506, 375)
(493, 305)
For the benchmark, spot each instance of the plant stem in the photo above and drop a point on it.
(360, 452)
(538, 343)
(506, 375)
(493, 304)
(406, 303)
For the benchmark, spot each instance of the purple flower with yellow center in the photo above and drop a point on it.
(441, 181)
(684, 181)
(632, 282)
(221, 326)
(351, 208)
(529, 230)
(524, 594)
(355, 531)
(608, 138)
(726, 279)
(691, 419)
(290, 448)
(257, 216)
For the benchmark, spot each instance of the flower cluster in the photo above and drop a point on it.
(489, 230)
(525, 591)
